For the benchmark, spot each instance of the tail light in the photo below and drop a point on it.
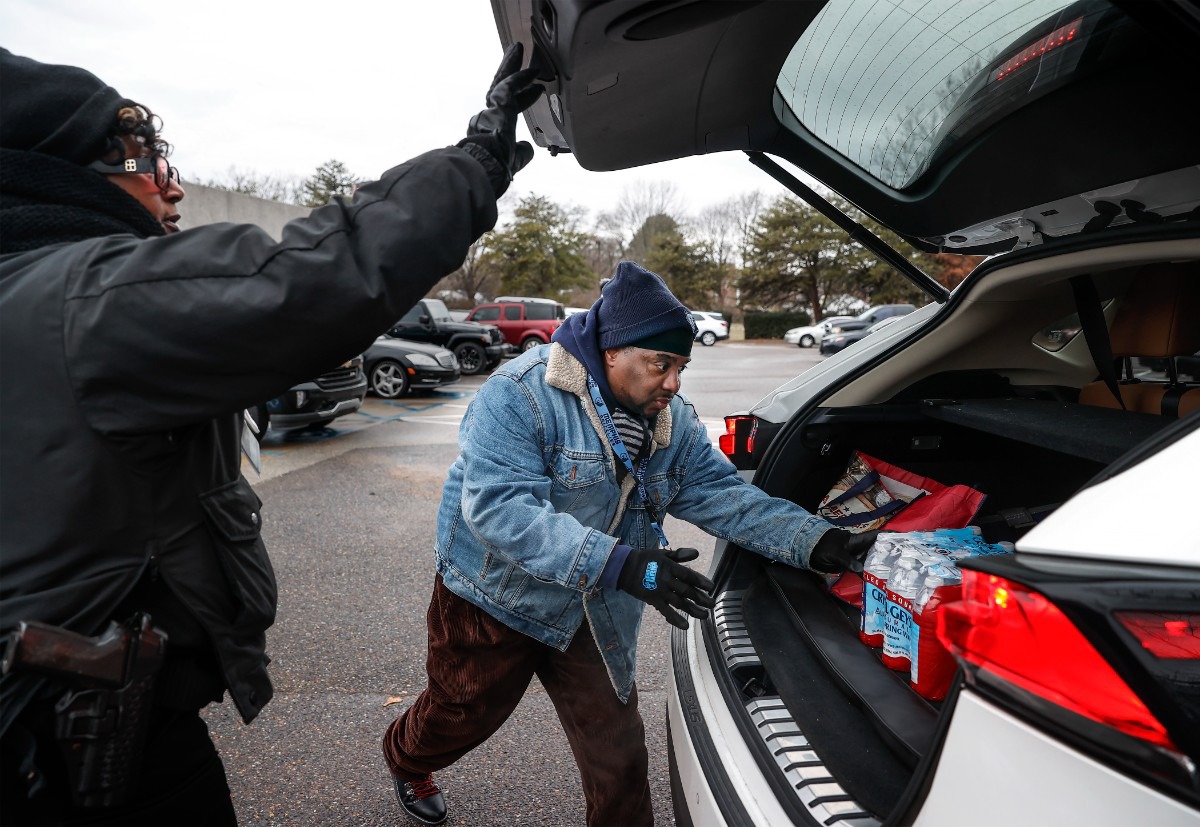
(737, 442)
(1020, 636)
(1103, 656)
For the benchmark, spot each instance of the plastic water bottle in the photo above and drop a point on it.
(902, 589)
(877, 568)
(933, 666)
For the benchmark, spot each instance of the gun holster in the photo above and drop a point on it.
(102, 729)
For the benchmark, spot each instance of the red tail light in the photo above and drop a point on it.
(738, 427)
(1018, 635)
(1169, 635)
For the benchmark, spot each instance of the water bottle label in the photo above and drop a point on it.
(897, 621)
(874, 604)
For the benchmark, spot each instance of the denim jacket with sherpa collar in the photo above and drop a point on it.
(531, 508)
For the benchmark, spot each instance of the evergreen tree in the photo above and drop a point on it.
(539, 252)
(645, 239)
(794, 259)
(798, 259)
(331, 179)
(693, 277)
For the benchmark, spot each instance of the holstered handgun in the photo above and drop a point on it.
(102, 719)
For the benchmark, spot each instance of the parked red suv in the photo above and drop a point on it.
(525, 323)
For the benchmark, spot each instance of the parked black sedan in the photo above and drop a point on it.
(841, 340)
(397, 367)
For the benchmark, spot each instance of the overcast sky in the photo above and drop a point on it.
(280, 87)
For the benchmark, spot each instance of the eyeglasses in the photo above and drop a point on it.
(164, 173)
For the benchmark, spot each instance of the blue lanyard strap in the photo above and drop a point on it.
(618, 446)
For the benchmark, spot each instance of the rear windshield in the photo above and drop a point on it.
(891, 85)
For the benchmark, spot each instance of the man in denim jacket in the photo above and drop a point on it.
(549, 544)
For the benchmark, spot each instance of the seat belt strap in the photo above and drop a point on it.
(1169, 406)
(1095, 330)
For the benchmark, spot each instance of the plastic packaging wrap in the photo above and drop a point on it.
(907, 577)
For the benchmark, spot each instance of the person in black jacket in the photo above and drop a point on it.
(128, 352)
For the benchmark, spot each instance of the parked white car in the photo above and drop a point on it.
(1049, 136)
(812, 334)
(710, 327)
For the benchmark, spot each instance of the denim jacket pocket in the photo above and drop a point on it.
(573, 476)
(661, 489)
(235, 525)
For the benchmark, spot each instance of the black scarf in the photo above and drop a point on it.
(46, 200)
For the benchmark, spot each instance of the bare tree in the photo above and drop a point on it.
(718, 228)
(747, 208)
(473, 279)
(602, 251)
(284, 188)
(723, 230)
(639, 202)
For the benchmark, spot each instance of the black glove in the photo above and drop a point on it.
(839, 550)
(657, 577)
(492, 134)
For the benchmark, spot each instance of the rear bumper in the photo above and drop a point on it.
(991, 768)
(715, 778)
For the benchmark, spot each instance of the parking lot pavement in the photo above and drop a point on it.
(378, 421)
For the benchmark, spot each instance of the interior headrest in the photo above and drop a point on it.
(1160, 313)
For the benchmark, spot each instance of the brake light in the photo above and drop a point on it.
(1174, 635)
(1056, 38)
(728, 441)
(1017, 634)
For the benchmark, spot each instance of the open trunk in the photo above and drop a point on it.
(847, 731)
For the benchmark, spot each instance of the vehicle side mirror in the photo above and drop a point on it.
(426, 320)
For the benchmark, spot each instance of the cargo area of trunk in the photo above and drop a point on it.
(864, 731)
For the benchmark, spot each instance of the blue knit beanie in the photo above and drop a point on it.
(636, 308)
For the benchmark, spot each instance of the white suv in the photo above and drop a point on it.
(1050, 136)
(710, 327)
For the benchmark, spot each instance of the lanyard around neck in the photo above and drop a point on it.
(618, 446)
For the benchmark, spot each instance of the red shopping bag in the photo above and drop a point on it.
(900, 500)
(931, 504)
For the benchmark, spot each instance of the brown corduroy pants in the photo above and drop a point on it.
(479, 670)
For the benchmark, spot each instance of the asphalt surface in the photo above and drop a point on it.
(349, 518)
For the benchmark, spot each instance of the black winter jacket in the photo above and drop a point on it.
(125, 362)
